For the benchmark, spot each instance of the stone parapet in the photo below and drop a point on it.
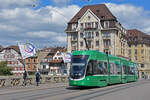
(9, 81)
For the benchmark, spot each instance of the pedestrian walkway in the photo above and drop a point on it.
(9, 90)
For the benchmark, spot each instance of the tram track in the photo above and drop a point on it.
(42, 95)
(92, 91)
(29, 90)
(47, 94)
(71, 93)
(99, 93)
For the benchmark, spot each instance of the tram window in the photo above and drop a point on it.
(117, 69)
(101, 68)
(128, 69)
(111, 68)
(131, 70)
(90, 68)
(95, 68)
(124, 69)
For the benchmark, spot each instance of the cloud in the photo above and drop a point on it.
(9, 28)
(42, 34)
(43, 27)
(131, 16)
(17, 3)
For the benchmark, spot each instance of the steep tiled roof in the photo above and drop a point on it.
(54, 49)
(100, 10)
(16, 48)
(135, 36)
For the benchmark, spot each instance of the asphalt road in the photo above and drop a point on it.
(61, 91)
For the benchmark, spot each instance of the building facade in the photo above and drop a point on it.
(52, 63)
(31, 64)
(57, 65)
(45, 63)
(139, 50)
(100, 27)
(12, 55)
(42, 54)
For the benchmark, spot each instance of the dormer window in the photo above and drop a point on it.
(74, 26)
(106, 24)
(102, 17)
(97, 10)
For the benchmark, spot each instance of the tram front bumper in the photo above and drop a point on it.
(76, 83)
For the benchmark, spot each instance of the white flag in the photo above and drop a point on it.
(27, 50)
(66, 57)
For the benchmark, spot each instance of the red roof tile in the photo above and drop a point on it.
(135, 36)
(16, 48)
(100, 10)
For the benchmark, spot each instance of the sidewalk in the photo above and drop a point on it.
(9, 90)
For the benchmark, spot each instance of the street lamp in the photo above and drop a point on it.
(108, 63)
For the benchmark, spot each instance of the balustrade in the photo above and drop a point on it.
(13, 81)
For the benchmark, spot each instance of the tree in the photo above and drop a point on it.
(4, 69)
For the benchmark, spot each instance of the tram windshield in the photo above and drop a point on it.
(78, 65)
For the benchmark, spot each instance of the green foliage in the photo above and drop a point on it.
(4, 69)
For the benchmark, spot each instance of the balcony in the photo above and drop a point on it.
(89, 38)
(107, 47)
(106, 36)
(88, 28)
(73, 39)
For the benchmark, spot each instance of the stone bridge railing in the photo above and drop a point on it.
(6, 81)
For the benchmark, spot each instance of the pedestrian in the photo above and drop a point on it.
(25, 77)
(38, 76)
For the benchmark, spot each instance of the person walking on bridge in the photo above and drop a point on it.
(25, 77)
(38, 76)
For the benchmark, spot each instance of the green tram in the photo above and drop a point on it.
(94, 68)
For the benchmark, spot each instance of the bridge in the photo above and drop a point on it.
(10, 81)
(61, 91)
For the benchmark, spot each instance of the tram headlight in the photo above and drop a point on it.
(79, 74)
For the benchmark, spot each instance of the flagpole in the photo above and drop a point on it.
(24, 64)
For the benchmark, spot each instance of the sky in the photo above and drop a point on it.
(42, 22)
